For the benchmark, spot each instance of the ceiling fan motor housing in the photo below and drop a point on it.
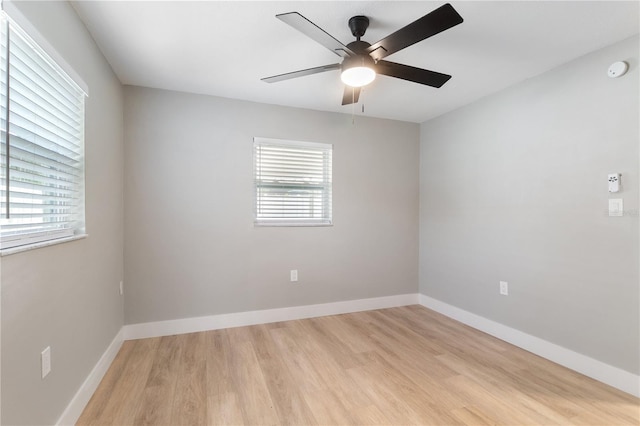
(359, 47)
(360, 60)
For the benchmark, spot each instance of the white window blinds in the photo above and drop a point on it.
(292, 182)
(41, 144)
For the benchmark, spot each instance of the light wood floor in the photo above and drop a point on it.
(395, 366)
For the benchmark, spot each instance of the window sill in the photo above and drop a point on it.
(28, 247)
(296, 225)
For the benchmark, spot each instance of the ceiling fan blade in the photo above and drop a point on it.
(429, 25)
(417, 75)
(301, 73)
(351, 95)
(316, 33)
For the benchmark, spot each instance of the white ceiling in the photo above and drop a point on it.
(224, 48)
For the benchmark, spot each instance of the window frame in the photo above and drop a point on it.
(40, 47)
(326, 199)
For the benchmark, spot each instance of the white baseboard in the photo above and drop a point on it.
(81, 398)
(598, 370)
(215, 322)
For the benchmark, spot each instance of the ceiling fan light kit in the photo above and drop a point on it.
(357, 76)
(362, 61)
(356, 72)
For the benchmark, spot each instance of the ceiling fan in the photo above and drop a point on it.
(363, 61)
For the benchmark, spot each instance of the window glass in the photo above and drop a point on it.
(292, 183)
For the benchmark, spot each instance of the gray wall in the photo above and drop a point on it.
(66, 296)
(514, 188)
(190, 245)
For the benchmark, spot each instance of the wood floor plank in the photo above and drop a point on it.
(189, 402)
(340, 327)
(127, 391)
(371, 415)
(328, 363)
(405, 391)
(289, 399)
(297, 361)
(223, 404)
(252, 391)
(472, 415)
(428, 373)
(393, 332)
(328, 408)
(101, 397)
(408, 348)
(155, 406)
(224, 409)
(581, 391)
(504, 413)
(502, 386)
(340, 352)
(406, 365)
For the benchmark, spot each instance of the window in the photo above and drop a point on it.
(41, 144)
(292, 183)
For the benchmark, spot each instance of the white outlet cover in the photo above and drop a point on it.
(504, 288)
(45, 358)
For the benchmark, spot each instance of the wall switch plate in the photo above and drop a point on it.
(615, 207)
(504, 288)
(45, 360)
(294, 275)
(121, 288)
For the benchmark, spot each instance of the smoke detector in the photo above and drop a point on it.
(618, 69)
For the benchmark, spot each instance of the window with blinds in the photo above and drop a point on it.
(41, 144)
(292, 183)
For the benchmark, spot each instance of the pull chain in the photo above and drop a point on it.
(353, 106)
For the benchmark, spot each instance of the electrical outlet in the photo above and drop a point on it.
(45, 360)
(121, 288)
(294, 275)
(504, 288)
